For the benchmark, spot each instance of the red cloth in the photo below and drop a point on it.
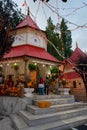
(10, 83)
(41, 81)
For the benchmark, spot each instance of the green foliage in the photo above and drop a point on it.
(10, 8)
(32, 67)
(62, 40)
(53, 37)
(15, 66)
(10, 16)
(54, 70)
(66, 40)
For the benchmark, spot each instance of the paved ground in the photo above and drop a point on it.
(5, 124)
(82, 127)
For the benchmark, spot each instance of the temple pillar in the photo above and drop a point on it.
(25, 67)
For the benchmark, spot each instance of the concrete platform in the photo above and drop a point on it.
(35, 110)
(64, 113)
(6, 124)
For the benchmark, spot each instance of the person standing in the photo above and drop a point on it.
(56, 86)
(41, 87)
(46, 84)
(10, 82)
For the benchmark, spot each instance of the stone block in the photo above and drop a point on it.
(44, 104)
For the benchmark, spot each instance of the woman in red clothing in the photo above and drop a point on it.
(10, 82)
(41, 87)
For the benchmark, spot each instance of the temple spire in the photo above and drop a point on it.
(76, 45)
(28, 12)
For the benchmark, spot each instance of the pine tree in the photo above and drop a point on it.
(61, 39)
(11, 9)
(9, 18)
(66, 40)
(53, 37)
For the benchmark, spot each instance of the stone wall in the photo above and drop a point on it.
(9, 105)
(79, 90)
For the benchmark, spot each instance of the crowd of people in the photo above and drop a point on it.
(43, 86)
(10, 82)
(46, 86)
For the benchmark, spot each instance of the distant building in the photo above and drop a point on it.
(74, 74)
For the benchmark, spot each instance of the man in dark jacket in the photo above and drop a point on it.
(46, 85)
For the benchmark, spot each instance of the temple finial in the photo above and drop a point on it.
(76, 45)
(28, 13)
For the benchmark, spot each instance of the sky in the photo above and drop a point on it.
(73, 11)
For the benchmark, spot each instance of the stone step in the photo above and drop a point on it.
(35, 110)
(57, 125)
(17, 121)
(54, 101)
(51, 96)
(34, 120)
(61, 125)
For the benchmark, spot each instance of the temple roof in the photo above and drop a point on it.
(78, 56)
(30, 51)
(70, 75)
(28, 21)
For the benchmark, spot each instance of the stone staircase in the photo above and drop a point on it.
(64, 113)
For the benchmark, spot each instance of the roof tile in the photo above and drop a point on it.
(28, 21)
(77, 56)
(32, 51)
(70, 75)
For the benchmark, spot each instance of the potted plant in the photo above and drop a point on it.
(32, 67)
(54, 70)
(15, 66)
